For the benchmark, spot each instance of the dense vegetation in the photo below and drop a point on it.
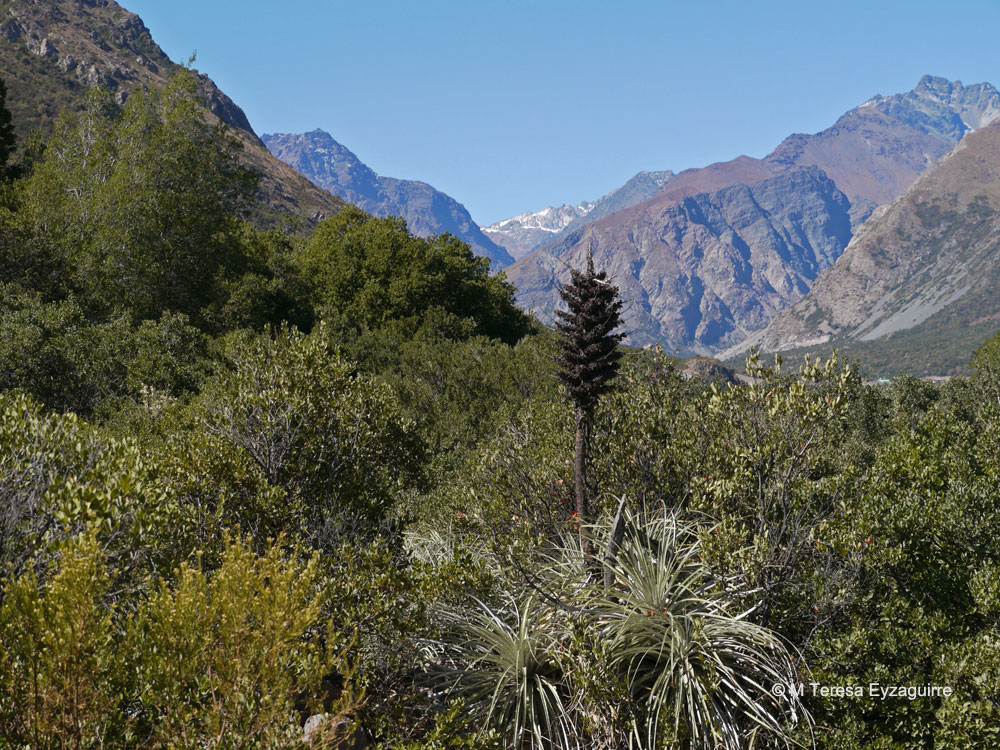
(249, 478)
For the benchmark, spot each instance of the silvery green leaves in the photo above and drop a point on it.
(663, 633)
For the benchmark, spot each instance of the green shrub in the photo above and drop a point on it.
(331, 439)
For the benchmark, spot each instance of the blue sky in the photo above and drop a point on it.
(511, 106)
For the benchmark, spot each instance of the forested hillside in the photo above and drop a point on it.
(323, 489)
(52, 53)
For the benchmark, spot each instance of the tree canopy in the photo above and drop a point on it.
(372, 272)
(135, 208)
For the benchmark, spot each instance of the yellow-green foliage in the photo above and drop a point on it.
(59, 669)
(222, 659)
(233, 658)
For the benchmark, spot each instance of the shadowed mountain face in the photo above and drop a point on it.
(924, 269)
(870, 155)
(52, 52)
(427, 211)
(701, 273)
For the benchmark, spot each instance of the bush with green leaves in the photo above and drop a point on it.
(237, 655)
(458, 392)
(373, 272)
(644, 429)
(51, 350)
(135, 208)
(769, 472)
(986, 372)
(921, 535)
(332, 439)
(513, 488)
(60, 476)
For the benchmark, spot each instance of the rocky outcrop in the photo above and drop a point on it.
(708, 369)
(334, 732)
(427, 211)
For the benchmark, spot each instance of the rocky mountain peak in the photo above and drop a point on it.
(941, 107)
(52, 51)
(334, 167)
(99, 43)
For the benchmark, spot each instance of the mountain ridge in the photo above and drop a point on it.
(929, 256)
(716, 265)
(335, 168)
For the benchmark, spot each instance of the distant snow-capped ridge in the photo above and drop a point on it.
(531, 230)
(549, 219)
(523, 233)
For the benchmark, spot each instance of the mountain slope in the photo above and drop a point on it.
(528, 231)
(875, 151)
(427, 211)
(927, 263)
(52, 52)
(703, 272)
(871, 154)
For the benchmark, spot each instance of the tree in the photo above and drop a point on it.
(588, 357)
(986, 369)
(332, 439)
(8, 140)
(137, 207)
(372, 274)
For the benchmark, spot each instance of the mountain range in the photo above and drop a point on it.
(700, 281)
(874, 235)
(427, 211)
(713, 267)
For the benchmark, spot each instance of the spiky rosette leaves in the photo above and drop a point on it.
(505, 666)
(686, 657)
(589, 355)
